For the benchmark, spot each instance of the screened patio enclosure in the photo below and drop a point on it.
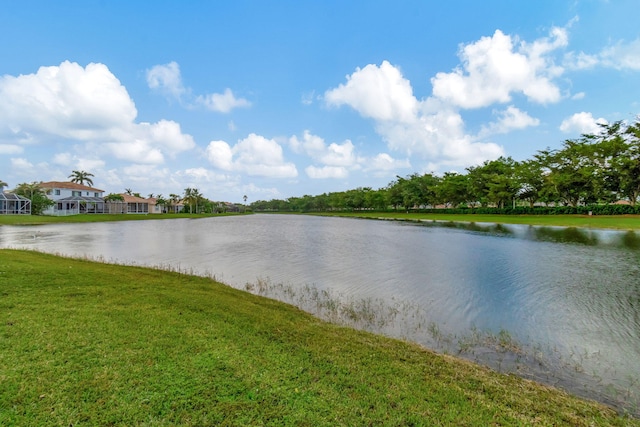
(12, 204)
(76, 205)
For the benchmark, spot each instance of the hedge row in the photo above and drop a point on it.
(542, 210)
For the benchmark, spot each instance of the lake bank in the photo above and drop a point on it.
(616, 222)
(114, 344)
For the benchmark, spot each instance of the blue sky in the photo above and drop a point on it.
(286, 98)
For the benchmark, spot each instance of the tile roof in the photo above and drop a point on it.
(133, 199)
(68, 186)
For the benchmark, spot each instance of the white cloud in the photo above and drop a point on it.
(380, 93)
(578, 96)
(509, 119)
(383, 162)
(582, 123)
(622, 56)
(63, 159)
(166, 79)
(619, 56)
(255, 155)
(495, 67)
(430, 128)
(336, 159)
(87, 105)
(222, 102)
(10, 149)
(66, 101)
(325, 172)
(21, 163)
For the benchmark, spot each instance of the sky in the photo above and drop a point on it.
(278, 99)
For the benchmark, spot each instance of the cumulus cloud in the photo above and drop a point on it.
(430, 128)
(620, 56)
(254, 155)
(383, 162)
(493, 68)
(335, 159)
(582, 123)
(324, 172)
(380, 93)
(512, 118)
(87, 105)
(167, 79)
(222, 102)
(10, 149)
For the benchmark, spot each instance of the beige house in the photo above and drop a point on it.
(129, 204)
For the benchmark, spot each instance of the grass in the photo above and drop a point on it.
(42, 219)
(619, 222)
(86, 343)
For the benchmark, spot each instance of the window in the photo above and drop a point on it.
(76, 193)
(96, 195)
(57, 192)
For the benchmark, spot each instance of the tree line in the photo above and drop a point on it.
(592, 171)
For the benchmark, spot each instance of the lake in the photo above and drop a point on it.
(559, 305)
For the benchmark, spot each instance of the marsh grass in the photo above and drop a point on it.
(86, 343)
(497, 350)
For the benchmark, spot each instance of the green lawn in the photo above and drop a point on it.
(85, 343)
(622, 222)
(41, 219)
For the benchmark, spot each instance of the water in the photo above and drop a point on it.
(566, 302)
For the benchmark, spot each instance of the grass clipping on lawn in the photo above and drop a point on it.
(85, 343)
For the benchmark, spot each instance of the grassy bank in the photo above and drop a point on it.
(85, 343)
(40, 219)
(620, 222)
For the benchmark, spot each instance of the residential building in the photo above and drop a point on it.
(72, 198)
(13, 204)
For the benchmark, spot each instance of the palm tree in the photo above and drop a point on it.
(128, 191)
(173, 201)
(192, 196)
(81, 177)
(244, 198)
(2, 185)
(161, 201)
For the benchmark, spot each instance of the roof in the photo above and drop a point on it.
(81, 199)
(133, 199)
(68, 186)
(11, 196)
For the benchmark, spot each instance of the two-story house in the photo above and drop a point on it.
(71, 198)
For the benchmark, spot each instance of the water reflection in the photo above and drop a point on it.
(573, 292)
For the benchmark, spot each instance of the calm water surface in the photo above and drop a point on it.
(569, 298)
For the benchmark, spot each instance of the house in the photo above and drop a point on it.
(154, 207)
(72, 198)
(128, 204)
(12, 204)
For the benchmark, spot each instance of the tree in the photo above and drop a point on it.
(112, 197)
(35, 193)
(244, 198)
(81, 177)
(173, 202)
(453, 190)
(3, 184)
(128, 191)
(192, 197)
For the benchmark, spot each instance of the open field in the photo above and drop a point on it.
(621, 222)
(85, 343)
(41, 219)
